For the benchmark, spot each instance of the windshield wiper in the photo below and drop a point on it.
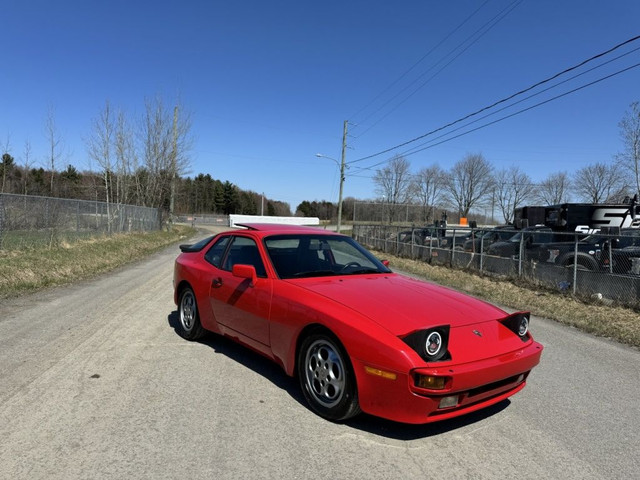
(363, 270)
(314, 273)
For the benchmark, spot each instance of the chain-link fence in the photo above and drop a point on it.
(204, 219)
(602, 266)
(386, 213)
(29, 221)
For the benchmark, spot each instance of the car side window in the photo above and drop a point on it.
(244, 251)
(216, 252)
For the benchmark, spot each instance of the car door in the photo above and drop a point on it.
(239, 303)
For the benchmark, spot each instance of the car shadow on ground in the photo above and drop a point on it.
(247, 357)
(403, 431)
(366, 423)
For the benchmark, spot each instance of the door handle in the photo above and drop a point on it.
(216, 282)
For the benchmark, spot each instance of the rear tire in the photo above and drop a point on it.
(326, 377)
(189, 326)
(581, 266)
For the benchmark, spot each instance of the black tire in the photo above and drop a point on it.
(584, 264)
(326, 377)
(189, 325)
(579, 267)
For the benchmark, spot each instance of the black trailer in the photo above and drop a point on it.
(584, 218)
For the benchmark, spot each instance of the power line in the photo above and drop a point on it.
(521, 92)
(480, 33)
(526, 109)
(409, 152)
(395, 82)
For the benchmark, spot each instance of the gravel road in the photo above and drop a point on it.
(95, 383)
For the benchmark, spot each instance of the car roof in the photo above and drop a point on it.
(283, 228)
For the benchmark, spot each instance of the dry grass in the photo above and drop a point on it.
(29, 270)
(619, 323)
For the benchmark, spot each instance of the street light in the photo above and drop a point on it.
(341, 165)
(344, 146)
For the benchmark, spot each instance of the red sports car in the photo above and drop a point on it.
(358, 336)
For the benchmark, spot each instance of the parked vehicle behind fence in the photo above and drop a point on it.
(480, 240)
(625, 252)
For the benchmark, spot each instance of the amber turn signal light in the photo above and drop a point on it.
(430, 382)
(380, 373)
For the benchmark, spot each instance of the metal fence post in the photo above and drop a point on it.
(453, 246)
(396, 240)
(412, 241)
(575, 263)
(1, 218)
(430, 247)
(610, 257)
(520, 255)
(481, 251)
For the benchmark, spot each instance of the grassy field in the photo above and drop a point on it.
(30, 239)
(26, 270)
(618, 323)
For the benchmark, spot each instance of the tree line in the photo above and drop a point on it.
(202, 194)
(141, 160)
(473, 184)
(145, 160)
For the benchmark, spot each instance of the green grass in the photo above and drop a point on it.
(36, 239)
(25, 270)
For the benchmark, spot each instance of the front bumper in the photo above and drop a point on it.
(477, 385)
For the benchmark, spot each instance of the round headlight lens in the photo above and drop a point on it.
(433, 344)
(523, 327)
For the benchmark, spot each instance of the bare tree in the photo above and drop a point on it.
(181, 145)
(554, 189)
(427, 187)
(599, 183)
(393, 183)
(630, 133)
(55, 143)
(126, 157)
(26, 165)
(155, 135)
(166, 141)
(99, 147)
(469, 183)
(513, 188)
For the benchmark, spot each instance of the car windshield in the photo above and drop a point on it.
(308, 255)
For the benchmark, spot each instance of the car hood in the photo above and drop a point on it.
(401, 304)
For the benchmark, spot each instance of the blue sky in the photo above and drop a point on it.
(269, 84)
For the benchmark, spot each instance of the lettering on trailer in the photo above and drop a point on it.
(610, 217)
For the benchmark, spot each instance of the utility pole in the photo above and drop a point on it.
(174, 166)
(342, 165)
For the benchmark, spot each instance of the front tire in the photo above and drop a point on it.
(189, 325)
(326, 377)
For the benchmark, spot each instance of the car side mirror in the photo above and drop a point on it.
(245, 271)
(385, 263)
